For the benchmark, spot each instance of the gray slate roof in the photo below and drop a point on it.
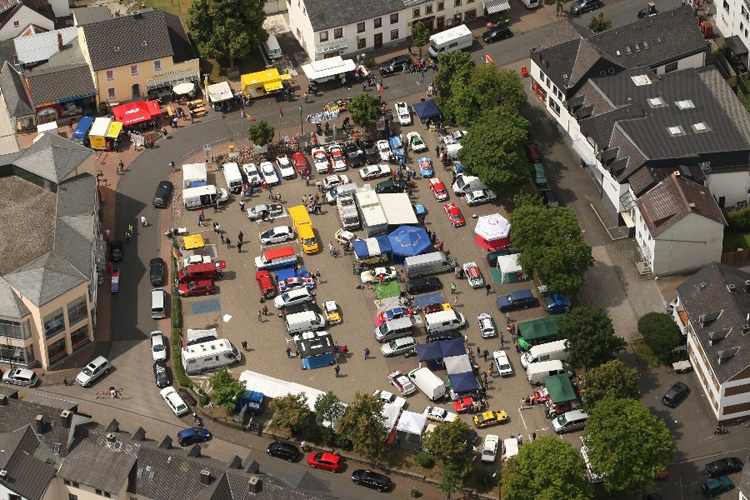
(53, 157)
(91, 14)
(60, 83)
(11, 305)
(45, 278)
(40, 46)
(19, 413)
(705, 293)
(99, 464)
(327, 14)
(23, 457)
(75, 221)
(14, 92)
(138, 37)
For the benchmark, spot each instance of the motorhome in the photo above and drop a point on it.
(198, 358)
(451, 40)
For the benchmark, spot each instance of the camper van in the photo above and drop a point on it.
(275, 258)
(206, 356)
(233, 177)
(203, 197)
(536, 372)
(304, 322)
(450, 40)
(545, 352)
(429, 263)
(444, 320)
(428, 382)
(272, 48)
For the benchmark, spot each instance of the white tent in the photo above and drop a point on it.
(509, 263)
(492, 227)
(391, 411)
(274, 387)
(50, 127)
(183, 88)
(411, 423)
(326, 69)
(457, 364)
(398, 209)
(220, 92)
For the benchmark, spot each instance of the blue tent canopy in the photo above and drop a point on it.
(423, 301)
(371, 247)
(83, 127)
(453, 347)
(409, 241)
(429, 352)
(463, 382)
(426, 109)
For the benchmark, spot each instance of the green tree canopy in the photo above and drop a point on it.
(591, 337)
(362, 425)
(290, 412)
(546, 469)
(328, 408)
(365, 110)
(225, 389)
(551, 244)
(449, 481)
(526, 200)
(660, 333)
(449, 443)
(420, 36)
(600, 23)
(227, 29)
(454, 70)
(493, 150)
(261, 133)
(611, 380)
(627, 444)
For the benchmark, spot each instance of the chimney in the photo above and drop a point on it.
(3, 400)
(39, 422)
(111, 438)
(253, 484)
(65, 418)
(205, 476)
(59, 41)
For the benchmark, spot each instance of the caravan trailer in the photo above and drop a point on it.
(206, 356)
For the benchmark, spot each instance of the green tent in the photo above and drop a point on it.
(538, 331)
(560, 388)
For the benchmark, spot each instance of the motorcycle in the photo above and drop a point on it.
(721, 430)
(197, 419)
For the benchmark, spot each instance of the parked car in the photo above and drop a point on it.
(300, 164)
(161, 374)
(333, 181)
(163, 194)
(371, 152)
(438, 189)
(374, 172)
(724, 466)
(326, 461)
(296, 282)
(416, 143)
(486, 325)
(504, 367)
(490, 418)
(473, 275)
(423, 285)
(269, 173)
(265, 284)
(158, 271)
(390, 398)
(436, 307)
(293, 297)
(716, 486)
(252, 174)
(337, 158)
(92, 371)
(492, 256)
(193, 288)
(489, 450)
(454, 137)
(500, 32)
(479, 197)
(437, 414)
(675, 395)
(556, 303)
(392, 186)
(115, 251)
(426, 169)
(403, 113)
(371, 479)
(278, 234)
(280, 449)
(454, 214)
(193, 435)
(174, 401)
(583, 6)
(379, 274)
(398, 346)
(520, 299)
(20, 376)
(540, 176)
(320, 160)
(265, 211)
(401, 382)
(158, 346)
(550, 200)
(285, 167)
(384, 150)
(355, 157)
(532, 151)
(395, 65)
(394, 313)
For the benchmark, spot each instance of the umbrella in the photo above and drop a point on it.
(183, 88)
(409, 241)
(492, 227)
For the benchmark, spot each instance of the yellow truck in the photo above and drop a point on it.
(263, 83)
(303, 226)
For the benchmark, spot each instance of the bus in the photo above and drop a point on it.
(303, 225)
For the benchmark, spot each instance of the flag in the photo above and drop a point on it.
(281, 111)
(251, 118)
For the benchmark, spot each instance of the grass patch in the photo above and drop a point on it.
(386, 290)
(644, 354)
(734, 240)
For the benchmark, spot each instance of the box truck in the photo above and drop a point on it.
(428, 382)
(537, 371)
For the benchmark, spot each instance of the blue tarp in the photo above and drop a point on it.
(426, 109)
(317, 361)
(82, 129)
(429, 352)
(290, 272)
(371, 247)
(428, 298)
(409, 241)
(252, 400)
(463, 382)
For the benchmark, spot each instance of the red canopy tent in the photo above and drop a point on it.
(136, 112)
(492, 232)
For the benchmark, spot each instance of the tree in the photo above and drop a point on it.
(365, 110)
(527, 199)
(552, 245)
(328, 410)
(225, 390)
(591, 337)
(660, 333)
(227, 28)
(493, 150)
(449, 443)
(626, 444)
(600, 23)
(611, 380)
(362, 425)
(449, 481)
(420, 36)
(454, 69)
(290, 412)
(547, 468)
(261, 133)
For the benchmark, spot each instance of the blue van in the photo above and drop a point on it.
(520, 299)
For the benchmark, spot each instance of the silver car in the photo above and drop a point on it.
(277, 234)
(398, 346)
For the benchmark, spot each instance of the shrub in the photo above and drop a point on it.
(660, 333)
(425, 460)
(739, 220)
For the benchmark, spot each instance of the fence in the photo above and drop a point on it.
(739, 255)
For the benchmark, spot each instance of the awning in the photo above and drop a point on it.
(183, 88)
(560, 388)
(736, 45)
(271, 86)
(220, 92)
(411, 423)
(136, 112)
(100, 127)
(83, 127)
(426, 109)
(332, 66)
(495, 6)
(457, 364)
(331, 46)
(114, 130)
(193, 241)
(584, 150)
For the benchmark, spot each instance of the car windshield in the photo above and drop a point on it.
(88, 371)
(159, 347)
(181, 407)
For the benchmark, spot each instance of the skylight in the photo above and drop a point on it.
(641, 80)
(700, 127)
(656, 102)
(675, 131)
(686, 104)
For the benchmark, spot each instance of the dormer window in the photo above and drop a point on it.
(656, 102)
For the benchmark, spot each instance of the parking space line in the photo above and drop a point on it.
(520, 414)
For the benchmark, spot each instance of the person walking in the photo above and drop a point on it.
(239, 246)
(242, 205)
(200, 220)
(288, 352)
(120, 167)
(533, 436)
(488, 287)
(337, 369)
(65, 381)
(367, 353)
(479, 351)
(486, 353)
(144, 222)
(453, 287)
(228, 242)
(244, 345)
(260, 317)
(221, 235)
(241, 237)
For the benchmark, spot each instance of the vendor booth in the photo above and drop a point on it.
(98, 132)
(538, 331)
(44, 128)
(276, 388)
(492, 232)
(219, 93)
(263, 83)
(397, 208)
(391, 412)
(409, 429)
(408, 241)
(82, 129)
(137, 112)
(509, 270)
(426, 110)
(328, 69)
(372, 250)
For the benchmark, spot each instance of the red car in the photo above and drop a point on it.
(300, 163)
(532, 152)
(326, 461)
(469, 405)
(265, 283)
(454, 214)
(438, 189)
(202, 287)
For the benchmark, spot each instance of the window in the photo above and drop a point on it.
(75, 485)
(427, 9)
(394, 34)
(394, 18)
(338, 32)
(470, 15)
(66, 482)
(134, 70)
(361, 27)
(361, 43)
(77, 311)
(110, 75)
(299, 34)
(726, 5)
(15, 330)
(72, 496)
(670, 67)
(111, 94)
(54, 323)
(323, 36)
(458, 3)
(415, 13)
(378, 22)
(157, 65)
(554, 106)
(441, 6)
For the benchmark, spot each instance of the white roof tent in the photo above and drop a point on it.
(327, 68)
(100, 126)
(220, 92)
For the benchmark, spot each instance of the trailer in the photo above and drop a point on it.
(194, 175)
(328, 69)
(263, 83)
(371, 213)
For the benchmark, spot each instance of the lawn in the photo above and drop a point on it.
(734, 240)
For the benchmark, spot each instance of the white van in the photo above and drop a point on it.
(545, 352)
(444, 320)
(158, 303)
(428, 382)
(233, 177)
(537, 371)
(510, 448)
(429, 263)
(570, 421)
(530, 4)
(272, 47)
(203, 197)
(198, 358)
(450, 40)
(466, 184)
(396, 328)
(304, 322)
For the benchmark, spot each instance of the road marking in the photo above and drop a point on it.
(520, 414)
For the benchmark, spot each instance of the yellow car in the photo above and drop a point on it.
(333, 313)
(490, 418)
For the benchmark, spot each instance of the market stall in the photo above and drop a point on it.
(219, 92)
(508, 269)
(328, 69)
(98, 132)
(183, 88)
(409, 429)
(262, 83)
(372, 250)
(193, 241)
(408, 241)
(492, 232)
(137, 112)
(426, 110)
(82, 129)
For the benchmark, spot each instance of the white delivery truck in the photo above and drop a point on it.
(429, 263)
(304, 322)
(203, 197)
(444, 320)
(428, 382)
(466, 184)
(537, 371)
(545, 352)
(233, 177)
(450, 40)
(198, 358)
(194, 175)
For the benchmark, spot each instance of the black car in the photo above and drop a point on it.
(371, 153)
(280, 449)
(392, 186)
(371, 479)
(724, 466)
(394, 65)
(675, 394)
(446, 335)
(161, 374)
(583, 6)
(158, 271)
(303, 307)
(550, 200)
(163, 194)
(497, 33)
(423, 285)
(115, 251)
